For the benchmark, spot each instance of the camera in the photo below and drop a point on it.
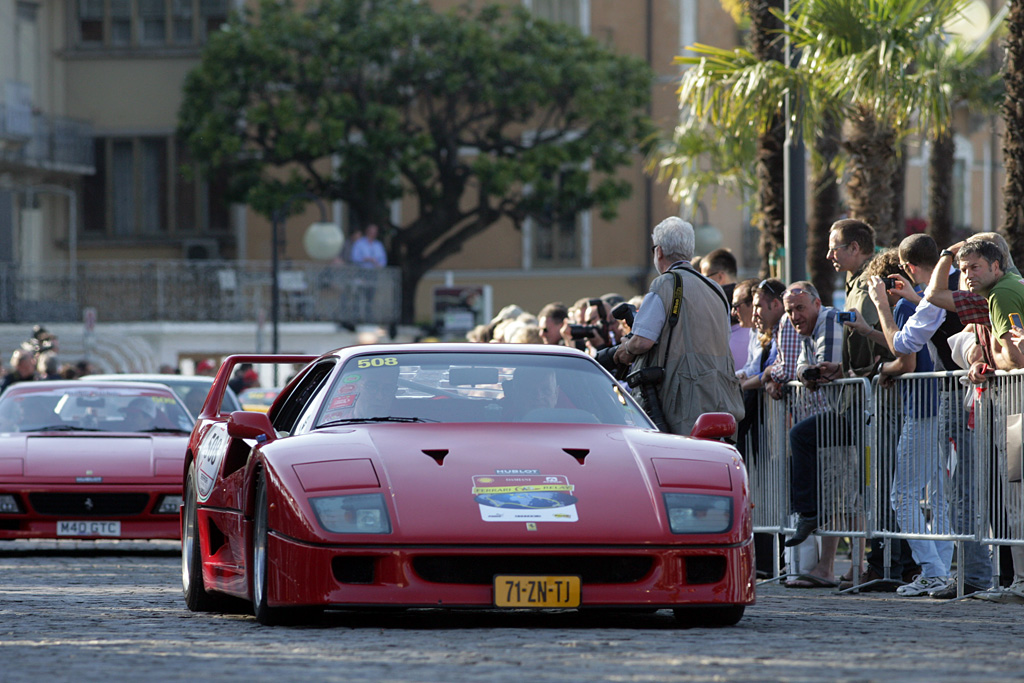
(847, 316)
(811, 374)
(584, 331)
(890, 283)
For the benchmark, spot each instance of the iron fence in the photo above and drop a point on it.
(194, 291)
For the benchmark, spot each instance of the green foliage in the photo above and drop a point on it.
(473, 114)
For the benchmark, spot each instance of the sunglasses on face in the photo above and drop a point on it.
(771, 287)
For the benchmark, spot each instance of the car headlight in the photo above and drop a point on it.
(361, 513)
(693, 513)
(9, 504)
(169, 505)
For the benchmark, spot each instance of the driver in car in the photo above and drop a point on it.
(531, 389)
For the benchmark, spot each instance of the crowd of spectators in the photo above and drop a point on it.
(912, 308)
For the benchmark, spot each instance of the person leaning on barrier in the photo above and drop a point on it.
(683, 327)
(919, 467)
(821, 362)
(983, 264)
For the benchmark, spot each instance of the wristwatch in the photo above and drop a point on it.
(945, 252)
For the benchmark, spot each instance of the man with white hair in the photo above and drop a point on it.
(683, 327)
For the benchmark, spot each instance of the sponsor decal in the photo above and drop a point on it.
(345, 401)
(525, 498)
(347, 389)
(211, 454)
(351, 379)
(517, 471)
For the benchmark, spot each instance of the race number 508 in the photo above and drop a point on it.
(376, 362)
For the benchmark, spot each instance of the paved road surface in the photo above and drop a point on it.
(85, 612)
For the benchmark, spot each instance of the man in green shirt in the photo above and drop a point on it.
(982, 264)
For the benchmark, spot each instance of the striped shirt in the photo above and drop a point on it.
(787, 344)
(825, 345)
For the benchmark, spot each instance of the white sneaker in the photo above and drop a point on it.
(922, 586)
(1000, 595)
(1017, 587)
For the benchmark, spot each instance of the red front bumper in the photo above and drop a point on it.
(460, 576)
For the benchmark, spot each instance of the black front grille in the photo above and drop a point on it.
(480, 570)
(704, 570)
(89, 504)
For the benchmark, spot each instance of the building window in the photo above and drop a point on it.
(141, 191)
(557, 232)
(148, 23)
(572, 12)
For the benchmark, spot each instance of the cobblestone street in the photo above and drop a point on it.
(91, 612)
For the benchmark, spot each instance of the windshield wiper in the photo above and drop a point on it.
(355, 420)
(62, 428)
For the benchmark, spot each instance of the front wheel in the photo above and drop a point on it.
(196, 597)
(713, 616)
(258, 564)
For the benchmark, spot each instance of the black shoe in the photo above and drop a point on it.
(949, 592)
(805, 526)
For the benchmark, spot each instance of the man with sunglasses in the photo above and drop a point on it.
(821, 361)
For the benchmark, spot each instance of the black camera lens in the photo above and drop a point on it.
(583, 331)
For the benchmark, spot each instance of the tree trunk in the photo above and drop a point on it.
(899, 193)
(940, 181)
(1013, 138)
(871, 150)
(771, 176)
(824, 209)
(765, 44)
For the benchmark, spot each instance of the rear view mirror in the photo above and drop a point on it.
(462, 377)
(90, 401)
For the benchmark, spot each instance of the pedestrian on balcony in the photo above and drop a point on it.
(368, 253)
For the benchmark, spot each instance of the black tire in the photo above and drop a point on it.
(712, 616)
(258, 565)
(259, 570)
(196, 596)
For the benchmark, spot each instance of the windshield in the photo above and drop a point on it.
(478, 387)
(93, 409)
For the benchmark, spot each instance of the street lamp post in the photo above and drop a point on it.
(277, 220)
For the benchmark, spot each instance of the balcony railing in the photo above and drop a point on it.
(193, 291)
(53, 143)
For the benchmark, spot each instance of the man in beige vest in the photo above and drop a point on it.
(694, 351)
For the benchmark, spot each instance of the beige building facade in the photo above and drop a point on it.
(90, 169)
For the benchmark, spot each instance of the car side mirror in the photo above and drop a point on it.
(244, 424)
(714, 426)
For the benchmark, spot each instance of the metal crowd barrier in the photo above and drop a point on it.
(904, 459)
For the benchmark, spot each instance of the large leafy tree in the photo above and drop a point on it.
(476, 116)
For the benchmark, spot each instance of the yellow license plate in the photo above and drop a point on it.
(536, 591)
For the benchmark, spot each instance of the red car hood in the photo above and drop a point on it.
(114, 459)
(459, 483)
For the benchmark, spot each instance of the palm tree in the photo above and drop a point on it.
(732, 132)
(865, 55)
(1013, 141)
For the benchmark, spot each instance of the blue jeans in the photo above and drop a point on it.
(919, 474)
(977, 569)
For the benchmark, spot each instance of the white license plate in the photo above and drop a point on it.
(88, 528)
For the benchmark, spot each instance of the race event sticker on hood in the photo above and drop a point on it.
(525, 498)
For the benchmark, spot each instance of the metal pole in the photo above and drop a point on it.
(795, 263)
(275, 293)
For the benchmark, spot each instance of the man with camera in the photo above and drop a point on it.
(681, 334)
